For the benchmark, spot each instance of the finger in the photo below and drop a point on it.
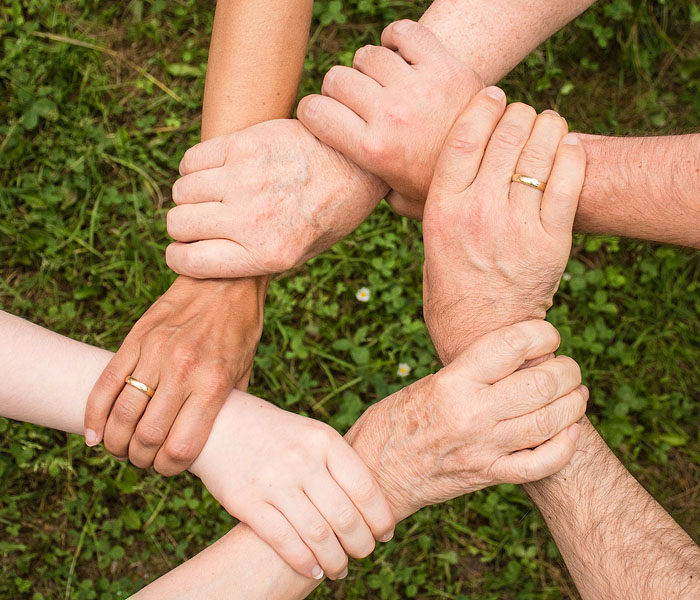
(277, 531)
(315, 532)
(189, 432)
(207, 185)
(415, 43)
(464, 147)
(506, 145)
(334, 124)
(530, 389)
(405, 206)
(341, 514)
(212, 259)
(501, 352)
(207, 155)
(154, 426)
(106, 390)
(195, 222)
(545, 460)
(353, 89)
(381, 64)
(560, 199)
(536, 161)
(541, 425)
(357, 481)
(130, 405)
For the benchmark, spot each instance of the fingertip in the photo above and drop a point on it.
(92, 438)
(496, 93)
(308, 107)
(571, 139)
(574, 432)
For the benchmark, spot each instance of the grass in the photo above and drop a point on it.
(100, 100)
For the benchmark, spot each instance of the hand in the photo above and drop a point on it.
(264, 200)
(193, 346)
(495, 250)
(478, 422)
(296, 483)
(392, 111)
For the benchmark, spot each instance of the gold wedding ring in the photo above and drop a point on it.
(531, 181)
(141, 387)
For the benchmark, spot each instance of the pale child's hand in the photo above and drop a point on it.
(296, 483)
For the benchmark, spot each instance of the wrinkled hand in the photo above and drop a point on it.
(392, 112)
(296, 483)
(262, 201)
(193, 346)
(478, 422)
(495, 250)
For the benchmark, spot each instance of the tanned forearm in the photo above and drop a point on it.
(255, 62)
(646, 188)
(617, 541)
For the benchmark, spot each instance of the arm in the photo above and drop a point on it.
(647, 188)
(635, 187)
(478, 422)
(617, 541)
(308, 195)
(217, 324)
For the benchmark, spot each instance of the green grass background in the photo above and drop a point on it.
(90, 141)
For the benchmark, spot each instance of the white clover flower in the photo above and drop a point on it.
(403, 370)
(566, 276)
(363, 294)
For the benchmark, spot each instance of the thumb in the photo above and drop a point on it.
(502, 352)
(405, 206)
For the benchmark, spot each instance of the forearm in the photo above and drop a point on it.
(617, 541)
(46, 381)
(493, 37)
(646, 188)
(255, 62)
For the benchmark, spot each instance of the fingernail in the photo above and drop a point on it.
(121, 458)
(344, 574)
(570, 139)
(574, 431)
(496, 93)
(91, 438)
(387, 536)
(549, 111)
(317, 572)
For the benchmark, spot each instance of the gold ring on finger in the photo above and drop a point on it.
(530, 181)
(142, 387)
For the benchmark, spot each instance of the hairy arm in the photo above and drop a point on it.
(647, 188)
(617, 541)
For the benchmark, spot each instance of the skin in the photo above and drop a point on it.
(337, 194)
(494, 424)
(392, 112)
(638, 552)
(197, 342)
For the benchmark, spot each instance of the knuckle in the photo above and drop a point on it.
(542, 384)
(537, 155)
(218, 381)
(365, 490)
(509, 136)
(399, 115)
(284, 536)
(150, 435)
(570, 365)
(515, 340)
(184, 357)
(330, 77)
(318, 532)
(180, 451)
(110, 378)
(127, 411)
(375, 149)
(346, 519)
(544, 428)
(463, 140)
